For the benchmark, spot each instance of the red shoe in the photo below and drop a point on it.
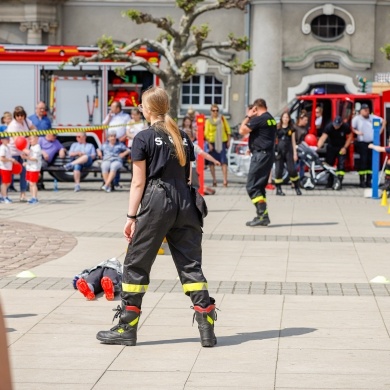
(270, 186)
(108, 288)
(83, 287)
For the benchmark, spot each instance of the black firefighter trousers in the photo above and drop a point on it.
(167, 210)
(259, 170)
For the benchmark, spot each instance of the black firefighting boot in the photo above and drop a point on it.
(368, 180)
(296, 186)
(262, 218)
(340, 177)
(362, 179)
(279, 190)
(206, 317)
(125, 333)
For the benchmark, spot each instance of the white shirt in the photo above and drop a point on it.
(5, 151)
(13, 127)
(36, 153)
(134, 129)
(363, 124)
(118, 119)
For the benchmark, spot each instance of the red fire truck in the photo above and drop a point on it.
(344, 105)
(75, 96)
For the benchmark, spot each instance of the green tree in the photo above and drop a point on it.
(179, 45)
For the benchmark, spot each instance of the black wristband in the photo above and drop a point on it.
(246, 116)
(131, 216)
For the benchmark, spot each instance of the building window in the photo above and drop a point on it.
(202, 91)
(328, 27)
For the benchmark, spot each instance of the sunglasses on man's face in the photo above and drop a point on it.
(214, 110)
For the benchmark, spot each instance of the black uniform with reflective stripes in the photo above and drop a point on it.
(336, 141)
(261, 145)
(285, 154)
(167, 210)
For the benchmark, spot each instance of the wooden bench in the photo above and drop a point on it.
(57, 170)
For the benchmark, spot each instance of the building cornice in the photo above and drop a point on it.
(327, 53)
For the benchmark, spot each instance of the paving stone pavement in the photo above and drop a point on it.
(297, 308)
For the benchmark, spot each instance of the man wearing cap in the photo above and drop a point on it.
(339, 137)
(362, 127)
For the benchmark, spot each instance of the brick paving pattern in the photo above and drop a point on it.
(24, 245)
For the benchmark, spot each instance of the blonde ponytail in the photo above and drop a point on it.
(158, 104)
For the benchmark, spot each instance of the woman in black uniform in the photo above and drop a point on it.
(286, 152)
(161, 205)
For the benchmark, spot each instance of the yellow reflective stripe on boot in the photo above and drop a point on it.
(340, 173)
(209, 319)
(387, 171)
(369, 172)
(134, 288)
(362, 172)
(258, 199)
(278, 181)
(189, 287)
(134, 322)
(295, 178)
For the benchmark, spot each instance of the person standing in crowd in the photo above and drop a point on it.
(50, 147)
(199, 152)
(286, 153)
(362, 127)
(261, 127)
(83, 154)
(161, 205)
(339, 137)
(217, 133)
(116, 117)
(6, 161)
(40, 119)
(300, 132)
(135, 125)
(18, 124)
(33, 157)
(319, 120)
(112, 152)
(5, 121)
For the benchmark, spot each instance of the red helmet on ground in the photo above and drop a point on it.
(311, 139)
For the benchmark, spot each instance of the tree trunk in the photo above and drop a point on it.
(173, 88)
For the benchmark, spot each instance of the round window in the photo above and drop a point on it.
(328, 27)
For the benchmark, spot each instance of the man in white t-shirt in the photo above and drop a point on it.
(362, 126)
(115, 118)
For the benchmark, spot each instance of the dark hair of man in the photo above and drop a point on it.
(118, 104)
(260, 103)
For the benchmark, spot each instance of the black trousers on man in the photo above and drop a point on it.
(365, 163)
(259, 170)
(333, 153)
(167, 210)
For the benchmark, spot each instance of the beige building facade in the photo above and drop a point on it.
(297, 46)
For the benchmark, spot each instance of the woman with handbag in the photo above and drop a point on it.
(18, 124)
(217, 133)
(161, 204)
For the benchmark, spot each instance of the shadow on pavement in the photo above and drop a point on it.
(19, 315)
(305, 224)
(240, 338)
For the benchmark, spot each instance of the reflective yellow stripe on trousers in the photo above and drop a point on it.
(189, 287)
(134, 288)
(260, 199)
